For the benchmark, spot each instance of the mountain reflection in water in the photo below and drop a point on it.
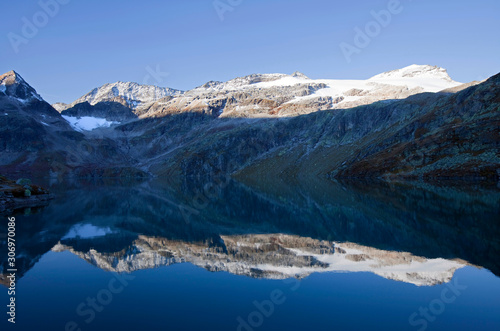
(413, 232)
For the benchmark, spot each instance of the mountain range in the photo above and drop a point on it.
(266, 95)
(414, 122)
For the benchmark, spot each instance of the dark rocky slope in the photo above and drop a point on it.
(425, 136)
(35, 140)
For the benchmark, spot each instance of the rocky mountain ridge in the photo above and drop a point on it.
(267, 95)
(252, 126)
(132, 95)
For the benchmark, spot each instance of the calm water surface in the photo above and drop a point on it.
(154, 255)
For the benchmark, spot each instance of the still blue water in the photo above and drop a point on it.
(69, 252)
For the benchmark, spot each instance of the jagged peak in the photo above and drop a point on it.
(13, 85)
(11, 77)
(133, 84)
(298, 74)
(132, 93)
(210, 84)
(257, 78)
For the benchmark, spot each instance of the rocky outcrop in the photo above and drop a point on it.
(21, 194)
(114, 110)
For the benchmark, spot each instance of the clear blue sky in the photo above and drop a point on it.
(90, 43)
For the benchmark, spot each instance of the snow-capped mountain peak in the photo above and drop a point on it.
(14, 86)
(415, 71)
(133, 94)
(298, 74)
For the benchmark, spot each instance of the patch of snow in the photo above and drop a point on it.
(44, 123)
(22, 100)
(337, 88)
(88, 123)
(285, 81)
(86, 231)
